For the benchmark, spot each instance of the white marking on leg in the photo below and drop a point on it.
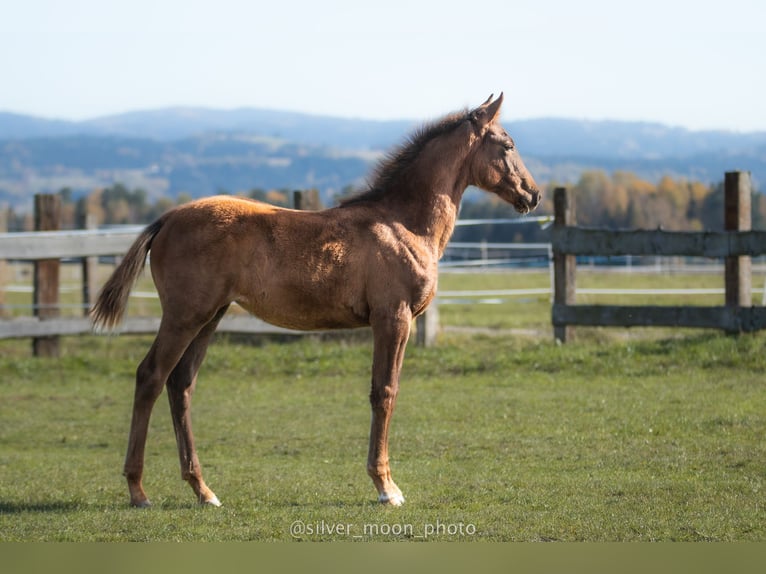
(396, 499)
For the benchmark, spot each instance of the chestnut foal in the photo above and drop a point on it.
(370, 261)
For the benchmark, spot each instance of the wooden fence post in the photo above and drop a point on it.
(737, 217)
(427, 326)
(86, 220)
(564, 265)
(307, 200)
(46, 275)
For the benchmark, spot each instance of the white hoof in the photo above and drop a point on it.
(391, 499)
(212, 502)
(143, 504)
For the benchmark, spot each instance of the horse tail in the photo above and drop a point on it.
(113, 298)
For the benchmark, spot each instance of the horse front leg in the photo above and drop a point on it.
(391, 332)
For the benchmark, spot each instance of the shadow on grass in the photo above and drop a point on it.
(42, 507)
(54, 507)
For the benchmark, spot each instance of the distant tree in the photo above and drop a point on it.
(759, 210)
(623, 200)
(257, 193)
(278, 197)
(122, 205)
(183, 197)
(711, 212)
(345, 192)
(592, 196)
(697, 192)
(68, 208)
(160, 206)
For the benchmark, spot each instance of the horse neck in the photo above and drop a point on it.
(429, 192)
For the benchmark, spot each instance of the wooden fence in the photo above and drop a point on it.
(737, 243)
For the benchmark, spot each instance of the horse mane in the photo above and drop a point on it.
(401, 157)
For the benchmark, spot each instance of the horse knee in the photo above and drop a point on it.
(383, 397)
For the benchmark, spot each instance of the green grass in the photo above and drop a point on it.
(500, 438)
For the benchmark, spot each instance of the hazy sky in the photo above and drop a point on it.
(694, 63)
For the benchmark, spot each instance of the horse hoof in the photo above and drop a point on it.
(141, 503)
(211, 502)
(396, 499)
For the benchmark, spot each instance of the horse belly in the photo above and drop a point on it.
(293, 309)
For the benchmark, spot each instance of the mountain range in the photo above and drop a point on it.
(202, 151)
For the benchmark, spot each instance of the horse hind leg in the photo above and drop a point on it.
(166, 351)
(151, 375)
(180, 385)
(148, 388)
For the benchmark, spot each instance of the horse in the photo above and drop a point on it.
(372, 260)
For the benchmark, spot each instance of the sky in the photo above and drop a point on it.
(691, 63)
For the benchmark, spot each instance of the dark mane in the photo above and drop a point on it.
(401, 157)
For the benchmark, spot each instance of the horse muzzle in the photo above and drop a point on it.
(527, 201)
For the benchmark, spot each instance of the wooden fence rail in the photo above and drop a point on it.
(736, 244)
(66, 244)
(25, 327)
(600, 242)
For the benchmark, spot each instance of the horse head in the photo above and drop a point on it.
(496, 165)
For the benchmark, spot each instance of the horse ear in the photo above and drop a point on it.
(488, 112)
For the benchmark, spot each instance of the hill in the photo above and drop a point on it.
(201, 151)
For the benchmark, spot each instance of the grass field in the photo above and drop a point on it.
(624, 435)
(495, 438)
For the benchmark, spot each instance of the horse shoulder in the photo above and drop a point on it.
(405, 265)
